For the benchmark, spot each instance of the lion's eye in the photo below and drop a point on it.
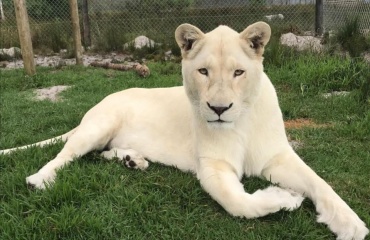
(203, 71)
(238, 72)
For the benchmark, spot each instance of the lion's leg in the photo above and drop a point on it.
(222, 183)
(288, 170)
(88, 137)
(129, 157)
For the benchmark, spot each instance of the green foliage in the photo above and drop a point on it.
(8, 33)
(156, 7)
(257, 2)
(169, 68)
(157, 19)
(364, 86)
(110, 39)
(276, 54)
(59, 35)
(351, 39)
(175, 49)
(48, 9)
(148, 52)
(107, 35)
(318, 72)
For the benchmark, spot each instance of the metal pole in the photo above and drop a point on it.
(319, 18)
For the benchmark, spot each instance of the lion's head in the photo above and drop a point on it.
(222, 70)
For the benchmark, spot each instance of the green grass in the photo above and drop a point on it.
(96, 199)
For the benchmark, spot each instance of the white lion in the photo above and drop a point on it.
(224, 123)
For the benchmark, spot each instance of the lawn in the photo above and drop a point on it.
(97, 199)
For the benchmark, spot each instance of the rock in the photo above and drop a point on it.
(367, 57)
(61, 63)
(12, 52)
(275, 16)
(3, 64)
(335, 93)
(63, 53)
(58, 61)
(168, 55)
(301, 42)
(139, 42)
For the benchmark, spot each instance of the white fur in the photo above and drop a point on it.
(175, 126)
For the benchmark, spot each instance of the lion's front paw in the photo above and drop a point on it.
(136, 161)
(40, 181)
(290, 199)
(273, 198)
(342, 220)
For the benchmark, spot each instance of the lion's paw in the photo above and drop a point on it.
(40, 181)
(129, 157)
(283, 198)
(135, 161)
(342, 220)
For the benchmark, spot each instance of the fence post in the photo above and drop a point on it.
(24, 36)
(319, 18)
(76, 31)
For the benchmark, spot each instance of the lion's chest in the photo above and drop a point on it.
(247, 147)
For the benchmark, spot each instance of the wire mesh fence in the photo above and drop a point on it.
(337, 12)
(108, 24)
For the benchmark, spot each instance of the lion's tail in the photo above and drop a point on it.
(62, 137)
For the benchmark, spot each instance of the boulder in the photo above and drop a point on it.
(301, 42)
(12, 52)
(275, 16)
(139, 42)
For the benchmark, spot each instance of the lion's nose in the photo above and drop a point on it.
(219, 109)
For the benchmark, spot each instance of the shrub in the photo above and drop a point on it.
(55, 35)
(351, 39)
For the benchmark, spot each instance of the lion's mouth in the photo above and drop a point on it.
(218, 121)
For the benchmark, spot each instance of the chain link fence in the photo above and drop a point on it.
(107, 24)
(337, 12)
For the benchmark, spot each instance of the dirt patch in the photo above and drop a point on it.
(50, 93)
(298, 124)
(303, 122)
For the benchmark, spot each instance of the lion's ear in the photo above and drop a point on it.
(186, 35)
(257, 36)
